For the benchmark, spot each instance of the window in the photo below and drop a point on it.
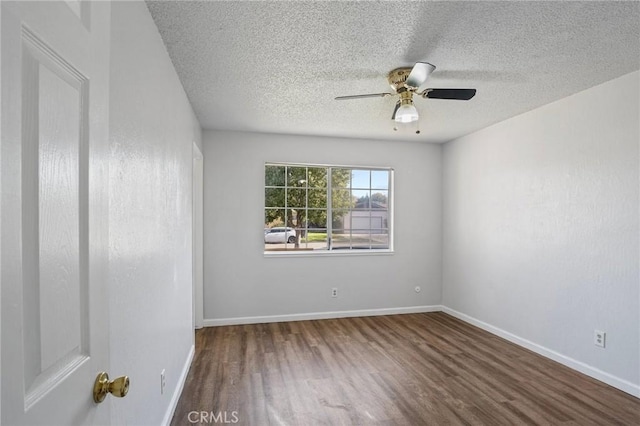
(326, 208)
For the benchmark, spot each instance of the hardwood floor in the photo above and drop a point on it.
(416, 369)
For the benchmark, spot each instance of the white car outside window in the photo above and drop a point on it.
(280, 235)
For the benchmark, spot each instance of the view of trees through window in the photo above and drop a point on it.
(309, 207)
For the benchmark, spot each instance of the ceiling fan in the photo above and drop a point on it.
(405, 82)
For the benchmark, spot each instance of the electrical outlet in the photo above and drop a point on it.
(163, 382)
(599, 338)
(334, 292)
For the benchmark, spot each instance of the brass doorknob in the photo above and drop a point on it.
(118, 387)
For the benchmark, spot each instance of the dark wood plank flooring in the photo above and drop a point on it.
(416, 369)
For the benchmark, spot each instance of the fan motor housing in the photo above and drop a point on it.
(398, 77)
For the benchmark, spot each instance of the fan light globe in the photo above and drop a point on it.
(407, 114)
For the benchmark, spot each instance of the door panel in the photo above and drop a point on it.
(55, 303)
(54, 203)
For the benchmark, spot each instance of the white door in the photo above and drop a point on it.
(55, 65)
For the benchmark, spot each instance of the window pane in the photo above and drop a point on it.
(315, 239)
(274, 197)
(300, 218)
(380, 239)
(273, 218)
(359, 220)
(279, 238)
(338, 219)
(296, 197)
(378, 219)
(379, 232)
(360, 179)
(379, 179)
(340, 178)
(340, 239)
(317, 177)
(274, 175)
(361, 198)
(360, 239)
(316, 218)
(380, 200)
(317, 198)
(297, 176)
(294, 216)
(341, 199)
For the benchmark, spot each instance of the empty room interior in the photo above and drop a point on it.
(320, 213)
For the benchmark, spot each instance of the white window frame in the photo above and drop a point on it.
(330, 250)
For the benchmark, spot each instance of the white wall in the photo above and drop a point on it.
(241, 282)
(541, 232)
(152, 132)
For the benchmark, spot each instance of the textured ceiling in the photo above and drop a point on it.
(275, 67)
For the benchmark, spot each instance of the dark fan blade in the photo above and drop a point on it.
(393, 116)
(457, 94)
(419, 74)
(369, 95)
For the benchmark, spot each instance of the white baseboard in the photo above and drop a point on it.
(590, 371)
(179, 387)
(320, 315)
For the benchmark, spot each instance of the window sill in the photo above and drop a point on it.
(323, 253)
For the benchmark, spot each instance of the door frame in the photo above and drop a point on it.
(198, 237)
(1, 126)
